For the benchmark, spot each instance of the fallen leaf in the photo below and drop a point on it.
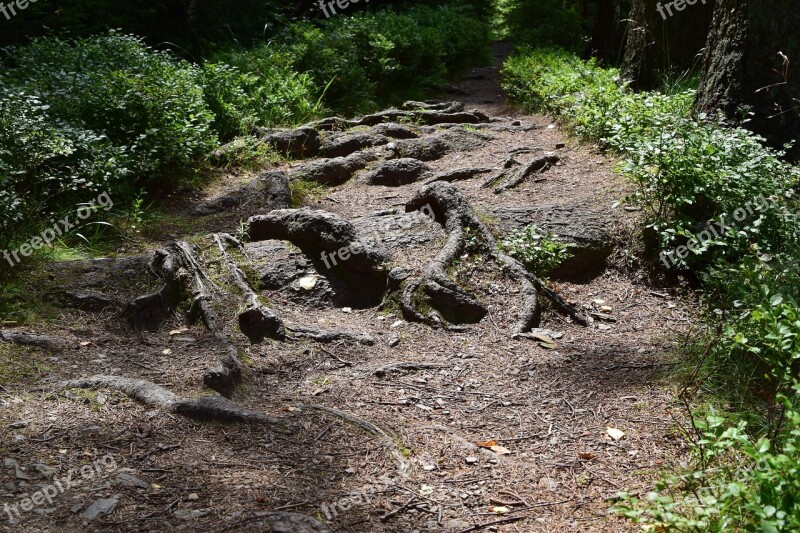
(586, 456)
(615, 433)
(167, 351)
(86, 343)
(606, 308)
(501, 510)
(177, 332)
(487, 444)
(500, 450)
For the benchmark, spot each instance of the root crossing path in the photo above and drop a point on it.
(342, 343)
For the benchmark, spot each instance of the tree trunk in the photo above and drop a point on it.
(752, 64)
(607, 35)
(662, 39)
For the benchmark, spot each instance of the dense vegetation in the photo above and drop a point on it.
(109, 113)
(692, 174)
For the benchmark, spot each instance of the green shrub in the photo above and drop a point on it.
(255, 88)
(370, 59)
(45, 163)
(141, 99)
(540, 251)
(735, 482)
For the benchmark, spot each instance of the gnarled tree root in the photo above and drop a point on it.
(385, 438)
(185, 279)
(455, 213)
(349, 260)
(204, 408)
(327, 336)
(256, 321)
(540, 164)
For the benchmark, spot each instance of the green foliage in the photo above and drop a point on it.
(736, 482)
(731, 203)
(541, 252)
(369, 59)
(245, 90)
(143, 100)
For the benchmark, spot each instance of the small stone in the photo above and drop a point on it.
(129, 480)
(102, 506)
(347, 310)
(471, 460)
(397, 324)
(560, 145)
(193, 496)
(517, 123)
(394, 341)
(429, 468)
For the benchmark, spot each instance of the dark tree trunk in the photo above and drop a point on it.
(662, 39)
(752, 63)
(607, 34)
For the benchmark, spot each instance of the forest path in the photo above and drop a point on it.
(377, 427)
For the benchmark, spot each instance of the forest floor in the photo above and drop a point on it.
(576, 418)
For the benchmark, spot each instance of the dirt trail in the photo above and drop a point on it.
(369, 382)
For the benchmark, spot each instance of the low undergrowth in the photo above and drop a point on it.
(720, 207)
(110, 114)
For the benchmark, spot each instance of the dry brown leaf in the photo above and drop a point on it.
(500, 450)
(487, 444)
(586, 456)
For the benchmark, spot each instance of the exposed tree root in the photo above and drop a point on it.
(204, 408)
(350, 261)
(29, 339)
(279, 522)
(459, 174)
(332, 172)
(185, 279)
(328, 336)
(386, 439)
(540, 164)
(454, 212)
(408, 365)
(256, 321)
(417, 112)
(269, 190)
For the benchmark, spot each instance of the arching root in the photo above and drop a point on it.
(538, 165)
(455, 213)
(204, 408)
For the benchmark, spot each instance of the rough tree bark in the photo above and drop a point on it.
(752, 63)
(659, 42)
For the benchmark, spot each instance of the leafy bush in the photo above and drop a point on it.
(735, 482)
(141, 99)
(541, 252)
(258, 88)
(369, 59)
(44, 162)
